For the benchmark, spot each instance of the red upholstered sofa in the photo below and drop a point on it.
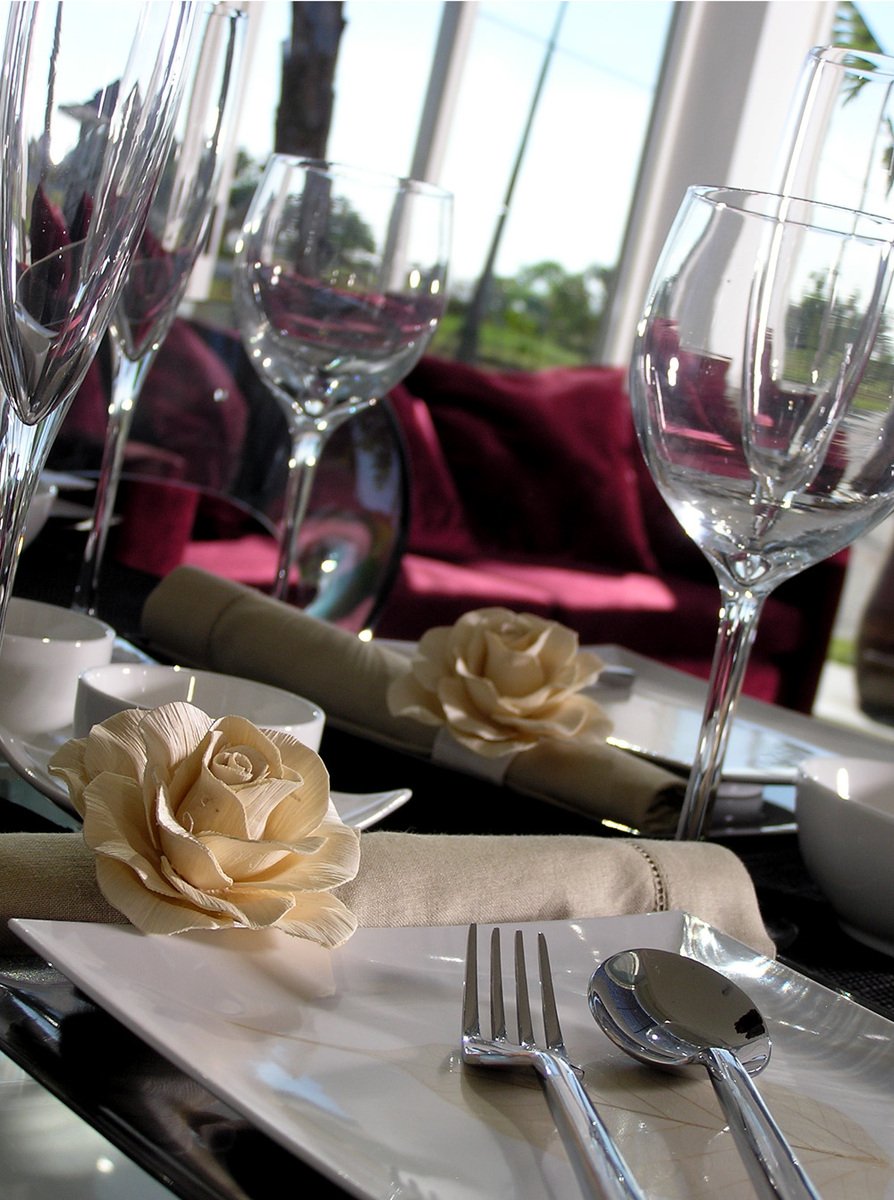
(529, 490)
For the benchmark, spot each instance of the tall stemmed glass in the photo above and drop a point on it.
(340, 282)
(171, 243)
(73, 202)
(838, 146)
(762, 386)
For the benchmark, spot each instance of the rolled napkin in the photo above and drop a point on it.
(201, 620)
(420, 879)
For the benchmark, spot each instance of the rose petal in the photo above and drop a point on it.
(188, 855)
(115, 810)
(320, 917)
(256, 908)
(512, 672)
(171, 733)
(406, 698)
(317, 864)
(147, 910)
(114, 747)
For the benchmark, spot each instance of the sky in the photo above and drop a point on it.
(570, 203)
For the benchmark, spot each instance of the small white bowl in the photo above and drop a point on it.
(845, 816)
(39, 509)
(45, 648)
(104, 691)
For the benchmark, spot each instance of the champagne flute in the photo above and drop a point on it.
(839, 143)
(339, 284)
(762, 386)
(156, 280)
(72, 206)
(839, 147)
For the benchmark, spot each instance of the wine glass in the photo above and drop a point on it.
(169, 247)
(762, 386)
(838, 147)
(73, 201)
(339, 284)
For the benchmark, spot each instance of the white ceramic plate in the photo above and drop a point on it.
(659, 717)
(30, 759)
(349, 1058)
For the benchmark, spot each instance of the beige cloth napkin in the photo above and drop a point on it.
(421, 879)
(201, 620)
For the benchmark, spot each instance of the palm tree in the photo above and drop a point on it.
(308, 70)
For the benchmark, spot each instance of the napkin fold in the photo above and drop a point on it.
(439, 879)
(202, 620)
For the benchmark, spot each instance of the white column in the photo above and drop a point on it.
(443, 85)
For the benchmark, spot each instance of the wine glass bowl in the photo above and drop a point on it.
(762, 387)
(73, 200)
(174, 235)
(838, 147)
(339, 285)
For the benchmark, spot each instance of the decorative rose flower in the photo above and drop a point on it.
(201, 824)
(502, 681)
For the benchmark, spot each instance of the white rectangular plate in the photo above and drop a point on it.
(350, 1058)
(660, 715)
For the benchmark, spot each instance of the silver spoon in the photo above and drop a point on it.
(667, 1010)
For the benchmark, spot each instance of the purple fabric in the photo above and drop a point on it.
(541, 463)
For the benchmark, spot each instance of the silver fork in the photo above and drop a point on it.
(598, 1164)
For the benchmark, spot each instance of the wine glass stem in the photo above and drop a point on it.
(307, 445)
(128, 376)
(23, 450)
(739, 615)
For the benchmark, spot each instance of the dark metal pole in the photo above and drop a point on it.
(468, 343)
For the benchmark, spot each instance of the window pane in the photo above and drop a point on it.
(575, 183)
(576, 180)
(384, 62)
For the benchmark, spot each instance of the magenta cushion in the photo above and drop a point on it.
(429, 592)
(542, 463)
(438, 524)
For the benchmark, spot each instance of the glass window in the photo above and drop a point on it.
(576, 178)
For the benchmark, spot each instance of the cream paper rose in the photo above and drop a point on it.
(201, 824)
(501, 682)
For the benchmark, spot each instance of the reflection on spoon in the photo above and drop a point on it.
(667, 1010)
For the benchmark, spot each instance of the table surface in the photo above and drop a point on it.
(189, 1143)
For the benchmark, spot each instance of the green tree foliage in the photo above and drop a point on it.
(543, 316)
(851, 30)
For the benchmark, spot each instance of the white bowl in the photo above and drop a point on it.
(39, 509)
(44, 650)
(845, 816)
(105, 691)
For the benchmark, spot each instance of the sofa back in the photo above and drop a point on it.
(538, 465)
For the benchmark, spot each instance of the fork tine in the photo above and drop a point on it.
(471, 1026)
(551, 1027)
(522, 1003)
(497, 1013)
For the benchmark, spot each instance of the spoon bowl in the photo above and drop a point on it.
(667, 1010)
(671, 1011)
